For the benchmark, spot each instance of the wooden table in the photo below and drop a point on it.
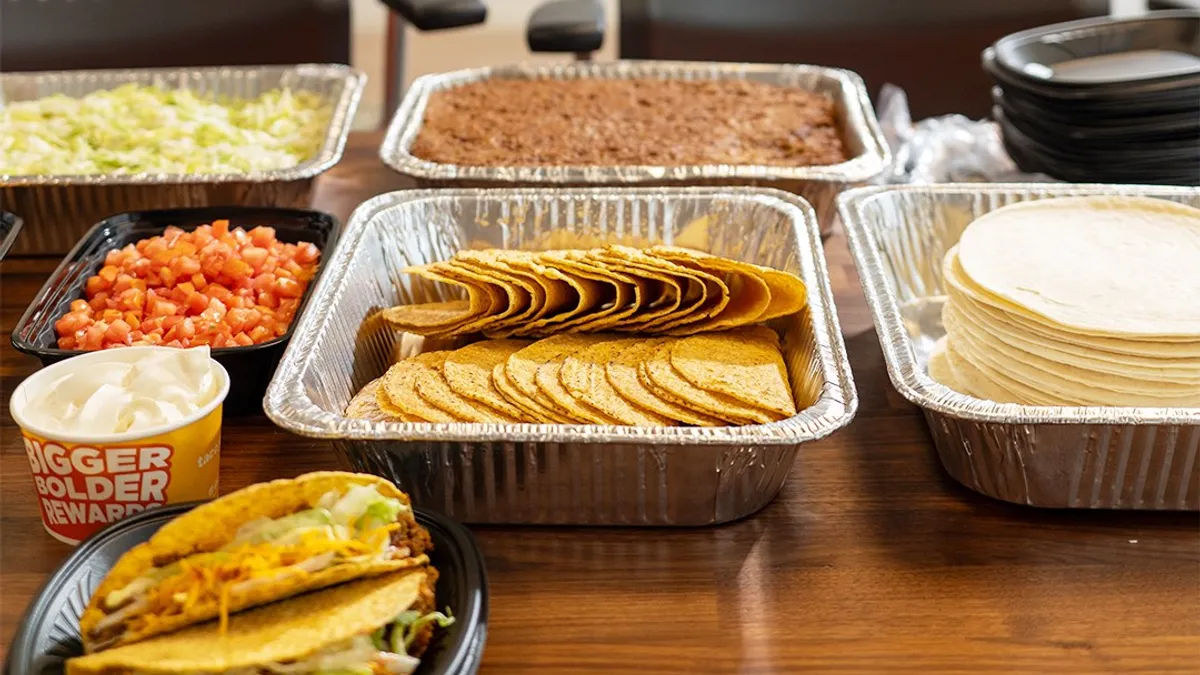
(871, 559)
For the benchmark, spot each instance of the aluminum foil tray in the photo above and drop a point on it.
(59, 209)
(820, 185)
(1050, 456)
(557, 473)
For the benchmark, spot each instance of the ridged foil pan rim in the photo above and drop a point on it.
(409, 117)
(899, 354)
(288, 406)
(354, 81)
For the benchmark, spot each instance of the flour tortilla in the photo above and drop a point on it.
(1056, 355)
(1065, 386)
(1110, 266)
(1173, 356)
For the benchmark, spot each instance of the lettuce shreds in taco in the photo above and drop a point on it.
(257, 545)
(377, 626)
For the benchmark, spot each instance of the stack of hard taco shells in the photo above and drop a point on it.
(662, 290)
(730, 377)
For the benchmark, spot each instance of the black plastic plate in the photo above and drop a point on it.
(49, 631)
(1034, 53)
(250, 368)
(10, 225)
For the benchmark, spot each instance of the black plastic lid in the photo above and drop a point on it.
(1169, 40)
(49, 632)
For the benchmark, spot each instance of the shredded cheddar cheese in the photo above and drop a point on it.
(212, 579)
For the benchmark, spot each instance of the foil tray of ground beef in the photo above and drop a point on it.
(805, 129)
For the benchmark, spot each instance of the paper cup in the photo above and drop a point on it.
(86, 481)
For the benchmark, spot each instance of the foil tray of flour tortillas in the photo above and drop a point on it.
(1049, 456)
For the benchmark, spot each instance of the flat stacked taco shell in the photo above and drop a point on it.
(251, 547)
(378, 625)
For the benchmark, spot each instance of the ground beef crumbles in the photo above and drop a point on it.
(629, 122)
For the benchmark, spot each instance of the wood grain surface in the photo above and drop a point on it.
(871, 560)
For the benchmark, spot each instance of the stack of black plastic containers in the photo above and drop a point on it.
(1103, 100)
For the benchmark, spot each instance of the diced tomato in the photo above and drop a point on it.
(94, 285)
(260, 334)
(255, 256)
(214, 285)
(264, 282)
(267, 299)
(288, 288)
(72, 322)
(93, 337)
(196, 303)
(118, 332)
(307, 252)
(218, 291)
(162, 308)
(99, 301)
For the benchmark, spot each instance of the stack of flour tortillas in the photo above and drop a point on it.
(1075, 301)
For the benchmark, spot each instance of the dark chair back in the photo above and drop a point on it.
(74, 34)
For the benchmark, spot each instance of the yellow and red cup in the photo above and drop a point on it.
(85, 482)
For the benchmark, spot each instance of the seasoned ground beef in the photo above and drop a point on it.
(424, 605)
(629, 122)
(411, 535)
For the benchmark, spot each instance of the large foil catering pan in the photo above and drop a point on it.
(60, 209)
(1049, 456)
(557, 473)
(819, 185)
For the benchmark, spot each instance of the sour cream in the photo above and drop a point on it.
(118, 391)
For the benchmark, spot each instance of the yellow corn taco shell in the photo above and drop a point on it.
(279, 633)
(209, 527)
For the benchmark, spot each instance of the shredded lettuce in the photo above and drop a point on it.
(136, 128)
(380, 513)
(410, 622)
(362, 506)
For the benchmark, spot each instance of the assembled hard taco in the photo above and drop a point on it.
(376, 626)
(254, 546)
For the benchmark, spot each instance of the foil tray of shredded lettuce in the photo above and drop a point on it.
(136, 128)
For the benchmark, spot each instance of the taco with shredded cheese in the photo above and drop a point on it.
(376, 626)
(257, 545)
